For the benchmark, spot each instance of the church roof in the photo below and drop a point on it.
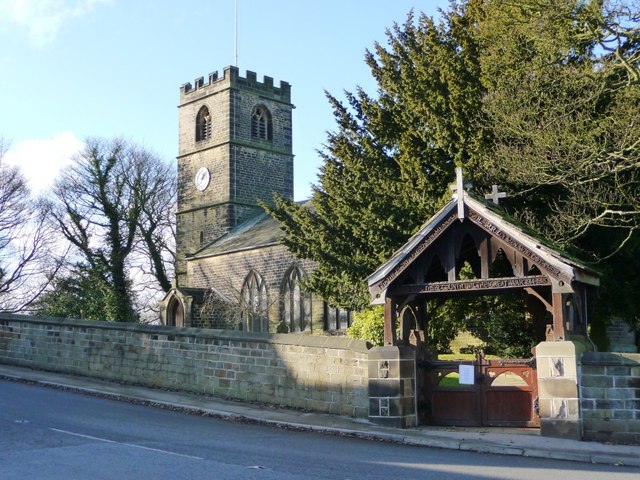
(257, 232)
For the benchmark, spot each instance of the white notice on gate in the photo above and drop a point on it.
(466, 373)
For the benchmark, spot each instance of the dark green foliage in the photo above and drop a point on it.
(618, 295)
(446, 320)
(499, 321)
(80, 293)
(502, 324)
(539, 96)
(563, 106)
(391, 159)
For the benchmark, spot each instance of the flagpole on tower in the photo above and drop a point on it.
(236, 34)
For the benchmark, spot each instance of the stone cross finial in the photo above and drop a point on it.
(495, 195)
(458, 189)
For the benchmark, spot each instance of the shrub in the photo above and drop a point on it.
(368, 325)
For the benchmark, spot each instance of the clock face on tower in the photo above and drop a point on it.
(202, 178)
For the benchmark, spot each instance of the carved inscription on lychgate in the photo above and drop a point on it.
(471, 285)
(515, 244)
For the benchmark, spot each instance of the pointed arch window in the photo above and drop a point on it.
(261, 125)
(254, 303)
(203, 124)
(295, 306)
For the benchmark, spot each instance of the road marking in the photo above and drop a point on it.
(106, 440)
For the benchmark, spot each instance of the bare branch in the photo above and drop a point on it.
(113, 205)
(28, 258)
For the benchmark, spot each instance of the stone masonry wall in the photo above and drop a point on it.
(321, 374)
(243, 170)
(610, 397)
(558, 388)
(226, 273)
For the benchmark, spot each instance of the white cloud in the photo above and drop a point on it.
(44, 18)
(41, 159)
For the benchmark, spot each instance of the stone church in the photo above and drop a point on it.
(235, 151)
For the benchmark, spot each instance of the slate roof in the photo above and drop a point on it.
(570, 266)
(257, 232)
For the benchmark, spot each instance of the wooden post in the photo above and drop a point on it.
(485, 257)
(389, 322)
(558, 315)
(451, 262)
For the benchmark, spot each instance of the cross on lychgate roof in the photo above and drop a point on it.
(495, 195)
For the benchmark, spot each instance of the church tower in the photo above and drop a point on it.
(235, 150)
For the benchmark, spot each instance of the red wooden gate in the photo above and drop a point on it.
(503, 393)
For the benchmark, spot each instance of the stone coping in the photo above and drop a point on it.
(610, 358)
(297, 339)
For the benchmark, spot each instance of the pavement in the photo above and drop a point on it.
(502, 441)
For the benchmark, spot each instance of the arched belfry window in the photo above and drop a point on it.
(203, 124)
(254, 303)
(295, 305)
(261, 126)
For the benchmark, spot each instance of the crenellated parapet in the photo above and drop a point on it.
(231, 79)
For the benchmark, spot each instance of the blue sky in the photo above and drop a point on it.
(78, 68)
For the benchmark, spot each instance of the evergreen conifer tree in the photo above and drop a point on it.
(539, 96)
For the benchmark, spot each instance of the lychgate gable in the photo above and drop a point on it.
(503, 257)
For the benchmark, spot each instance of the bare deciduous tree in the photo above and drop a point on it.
(27, 261)
(565, 119)
(113, 205)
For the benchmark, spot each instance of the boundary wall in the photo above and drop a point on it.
(610, 397)
(316, 373)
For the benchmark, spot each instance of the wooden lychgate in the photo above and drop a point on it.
(477, 233)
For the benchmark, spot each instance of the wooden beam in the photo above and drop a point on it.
(422, 315)
(475, 286)
(546, 304)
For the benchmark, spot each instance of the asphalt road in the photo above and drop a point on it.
(51, 434)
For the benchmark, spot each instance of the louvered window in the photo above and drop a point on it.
(203, 125)
(261, 126)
